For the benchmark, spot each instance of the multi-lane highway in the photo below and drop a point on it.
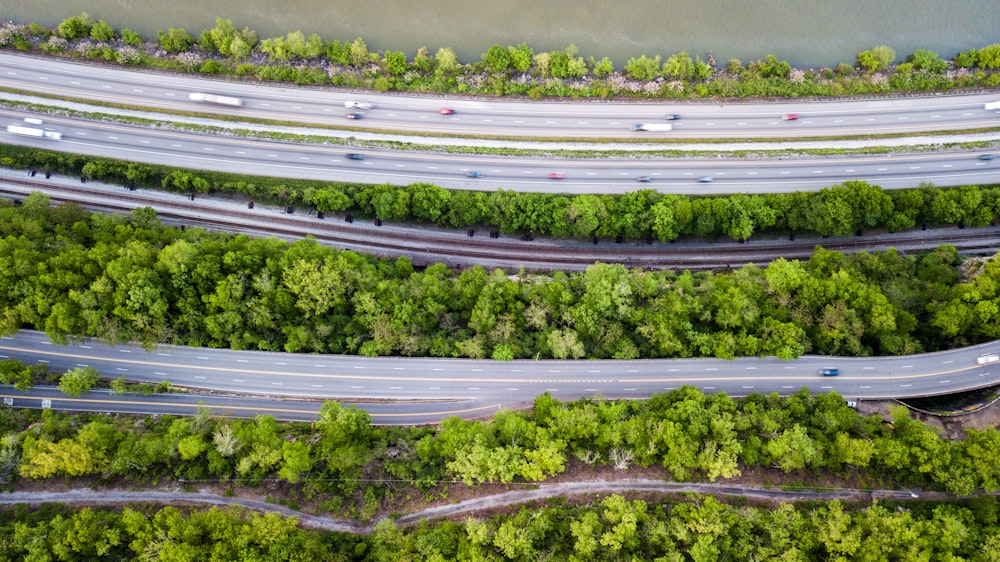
(507, 383)
(190, 404)
(500, 118)
(483, 384)
(579, 175)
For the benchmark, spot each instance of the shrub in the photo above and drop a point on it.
(923, 59)
(496, 59)
(643, 68)
(76, 27)
(989, 56)
(175, 40)
(131, 38)
(967, 59)
(39, 30)
(876, 59)
(395, 62)
(102, 32)
(77, 381)
(55, 44)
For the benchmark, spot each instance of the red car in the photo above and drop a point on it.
(446, 111)
(790, 117)
(557, 176)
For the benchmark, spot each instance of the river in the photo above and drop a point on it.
(804, 32)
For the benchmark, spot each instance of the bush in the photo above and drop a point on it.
(76, 27)
(923, 59)
(876, 59)
(77, 381)
(989, 56)
(131, 38)
(967, 59)
(175, 40)
(643, 68)
(102, 32)
(395, 62)
(39, 30)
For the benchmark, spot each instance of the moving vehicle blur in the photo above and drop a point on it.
(829, 372)
(986, 359)
(358, 105)
(790, 117)
(652, 127)
(33, 132)
(212, 98)
(446, 111)
(557, 176)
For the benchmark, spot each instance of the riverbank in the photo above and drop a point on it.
(511, 71)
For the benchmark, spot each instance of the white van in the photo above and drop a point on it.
(33, 120)
(984, 359)
(358, 105)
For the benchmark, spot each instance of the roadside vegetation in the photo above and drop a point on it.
(515, 70)
(340, 464)
(614, 528)
(840, 210)
(125, 278)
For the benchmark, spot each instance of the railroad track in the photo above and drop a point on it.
(424, 245)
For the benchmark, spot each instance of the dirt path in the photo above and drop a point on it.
(468, 507)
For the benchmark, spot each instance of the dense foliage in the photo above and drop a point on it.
(354, 469)
(502, 70)
(840, 210)
(614, 528)
(705, 530)
(167, 534)
(130, 278)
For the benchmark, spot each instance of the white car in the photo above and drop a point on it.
(358, 105)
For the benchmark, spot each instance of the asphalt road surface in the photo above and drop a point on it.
(500, 118)
(507, 383)
(231, 406)
(578, 175)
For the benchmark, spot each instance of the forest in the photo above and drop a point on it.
(350, 469)
(122, 278)
(344, 465)
(615, 528)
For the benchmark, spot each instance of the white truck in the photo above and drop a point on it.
(212, 98)
(33, 132)
(987, 359)
(652, 127)
(358, 105)
(992, 105)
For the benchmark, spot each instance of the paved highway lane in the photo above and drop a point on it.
(103, 401)
(513, 383)
(618, 175)
(505, 118)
